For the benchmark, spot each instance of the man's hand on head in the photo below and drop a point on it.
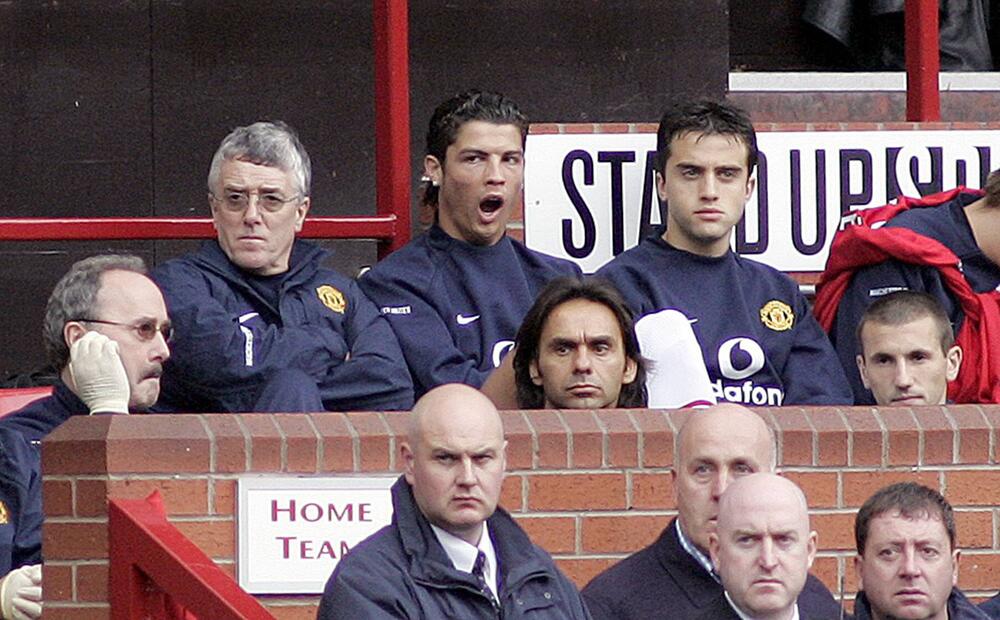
(98, 374)
(21, 593)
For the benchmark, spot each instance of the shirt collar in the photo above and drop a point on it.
(743, 616)
(463, 555)
(694, 552)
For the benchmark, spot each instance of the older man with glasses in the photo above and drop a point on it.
(262, 324)
(106, 329)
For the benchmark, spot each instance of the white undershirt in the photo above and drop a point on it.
(463, 555)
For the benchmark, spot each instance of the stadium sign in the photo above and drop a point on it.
(588, 196)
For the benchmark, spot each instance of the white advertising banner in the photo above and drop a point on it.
(588, 196)
(293, 531)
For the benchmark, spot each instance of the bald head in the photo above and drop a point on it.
(454, 459)
(751, 493)
(715, 447)
(732, 424)
(763, 547)
(453, 406)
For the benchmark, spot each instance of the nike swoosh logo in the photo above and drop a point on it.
(465, 320)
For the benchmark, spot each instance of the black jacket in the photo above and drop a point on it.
(959, 608)
(402, 571)
(664, 581)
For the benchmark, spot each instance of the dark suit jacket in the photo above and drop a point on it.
(664, 581)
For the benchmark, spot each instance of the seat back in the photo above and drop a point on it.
(12, 399)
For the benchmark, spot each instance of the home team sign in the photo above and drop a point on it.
(293, 531)
(588, 196)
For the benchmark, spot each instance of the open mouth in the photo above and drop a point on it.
(491, 204)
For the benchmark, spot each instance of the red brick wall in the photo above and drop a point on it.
(589, 487)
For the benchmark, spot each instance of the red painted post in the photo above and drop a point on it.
(923, 61)
(392, 118)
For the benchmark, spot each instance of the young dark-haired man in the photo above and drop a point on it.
(456, 295)
(906, 350)
(759, 340)
(946, 245)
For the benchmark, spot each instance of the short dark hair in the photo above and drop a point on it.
(901, 307)
(911, 501)
(75, 297)
(529, 336)
(992, 189)
(707, 117)
(471, 105)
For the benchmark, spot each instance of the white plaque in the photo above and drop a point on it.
(294, 530)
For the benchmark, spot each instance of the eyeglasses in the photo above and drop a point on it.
(237, 201)
(145, 330)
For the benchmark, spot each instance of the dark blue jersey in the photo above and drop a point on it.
(945, 223)
(230, 338)
(39, 418)
(20, 502)
(456, 307)
(759, 339)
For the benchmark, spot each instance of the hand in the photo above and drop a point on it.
(98, 374)
(21, 593)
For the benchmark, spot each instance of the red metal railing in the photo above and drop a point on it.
(156, 572)
(923, 61)
(391, 224)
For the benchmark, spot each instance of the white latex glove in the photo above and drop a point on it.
(21, 593)
(98, 374)
(678, 377)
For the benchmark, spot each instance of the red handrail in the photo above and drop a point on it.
(923, 61)
(383, 228)
(157, 572)
(391, 224)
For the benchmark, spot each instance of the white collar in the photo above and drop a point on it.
(694, 552)
(463, 555)
(743, 616)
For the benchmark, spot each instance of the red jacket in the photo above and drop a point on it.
(866, 242)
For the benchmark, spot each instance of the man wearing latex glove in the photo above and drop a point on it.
(20, 528)
(21, 593)
(106, 329)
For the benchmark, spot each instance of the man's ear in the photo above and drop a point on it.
(751, 183)
(433, 169)
(859, 571)
(407, 455)
(661, 186)
(300, 213)
(536, 377)
(956, 555)
(73, 331)
(811, 546)
(862, 371)
(713, 549)
(631, 369)
(954, 358)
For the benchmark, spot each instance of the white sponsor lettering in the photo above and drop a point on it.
(749, 347)
(748, 393)
(395, 309)
(500, 349)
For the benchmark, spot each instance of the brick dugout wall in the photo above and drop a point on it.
(590, 487)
